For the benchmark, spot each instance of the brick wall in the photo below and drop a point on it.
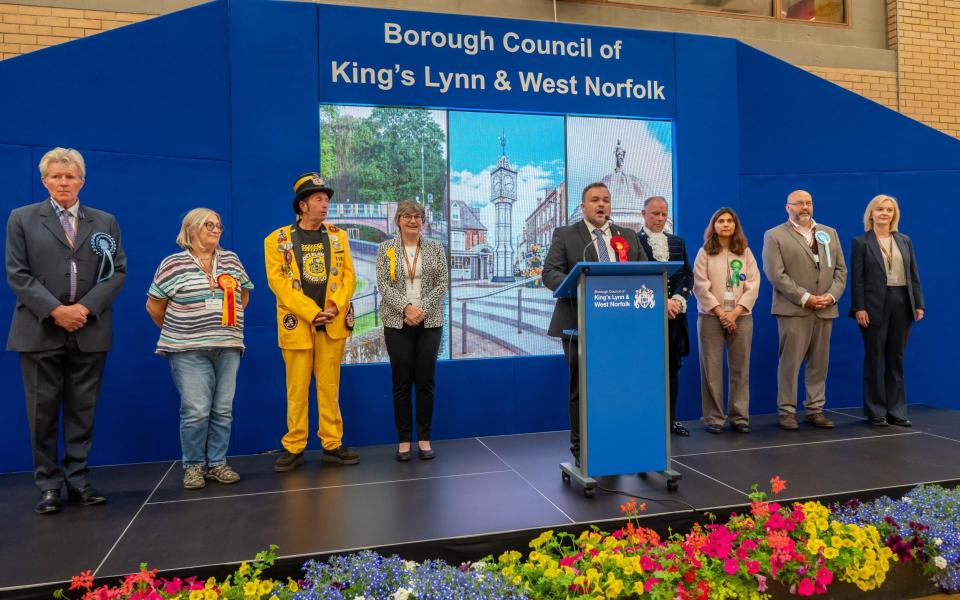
(879, 86)
(928, 44)
(27, 28)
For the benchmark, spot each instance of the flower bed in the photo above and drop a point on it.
(804, 548)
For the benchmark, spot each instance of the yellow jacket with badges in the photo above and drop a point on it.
(296, 310)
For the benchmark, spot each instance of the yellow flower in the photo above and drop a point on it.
(822, 524)
(638, 588)
(831, 553)
(614, 586)
(814, 545)
(210, 595)
(517, 580)
(541, 539)
(836, 541)
(250, 588)
(196, 595)
(210, 583)
(244, 569)
(593, 575)
(510, 556)
(265, 587)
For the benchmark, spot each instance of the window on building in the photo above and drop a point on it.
(822, 11)
(815, 11)
(457, 241)
(756, 8)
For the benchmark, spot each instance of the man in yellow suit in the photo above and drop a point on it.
(310, 270)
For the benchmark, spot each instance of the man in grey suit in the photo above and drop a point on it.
(804, 263)
(65, 266)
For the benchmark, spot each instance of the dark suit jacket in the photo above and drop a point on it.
(868, 275)
(679, 284)
(38, 271)
(572, 244)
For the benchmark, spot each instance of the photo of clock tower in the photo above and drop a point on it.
(503, 193)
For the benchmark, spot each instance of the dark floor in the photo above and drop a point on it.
(479, 486)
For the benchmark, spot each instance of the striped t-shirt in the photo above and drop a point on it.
(189, 323)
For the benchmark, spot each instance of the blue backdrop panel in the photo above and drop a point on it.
(17, 169)
(275, 125)
(927, 214)
(707, 170)
(176, 112)
(639, 70)
(157, 87)
(795, 122)
(839, 201)
(137, 414)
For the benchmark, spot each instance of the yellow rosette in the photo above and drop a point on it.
(229, 284)
(392, 257)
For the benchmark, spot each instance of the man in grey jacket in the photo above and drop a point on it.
(804, 263)
(65, 266)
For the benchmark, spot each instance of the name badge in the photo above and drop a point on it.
(213, 304)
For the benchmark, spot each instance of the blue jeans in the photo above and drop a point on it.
(206, 380)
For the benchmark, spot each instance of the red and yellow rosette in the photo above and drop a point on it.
(620, 246)
(229, 284)
(392, 257)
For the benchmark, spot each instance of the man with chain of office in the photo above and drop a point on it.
(310, 270)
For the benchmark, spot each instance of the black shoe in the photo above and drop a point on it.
(740, 427)
(288, 461)
(878, 422)
(576, 456)
(402, 456)
(714, 428)
(899, 422)
(340, 455)
(426, 454)
(50, 502)
(86, 495)
(678, 429)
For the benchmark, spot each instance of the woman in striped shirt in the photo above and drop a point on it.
(197, 299)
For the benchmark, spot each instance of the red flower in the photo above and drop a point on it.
(83, 580)
(731, 565)
(566, 561)
(805, 587)
(824, 576)
(777, 485)
(753, 567)
(620, 246)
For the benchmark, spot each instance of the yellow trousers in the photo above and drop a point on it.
(323, 362)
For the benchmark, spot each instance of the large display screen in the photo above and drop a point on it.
(494, 186)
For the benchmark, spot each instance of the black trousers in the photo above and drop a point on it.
(413, 363)
(62, 381)
(571, 351)
(884, 342)
(675, 362)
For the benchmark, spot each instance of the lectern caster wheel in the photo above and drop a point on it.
(673, 485)
(565, 476)
(642, 475)
(589, 492)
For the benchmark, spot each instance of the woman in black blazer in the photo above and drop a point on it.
(887, 299)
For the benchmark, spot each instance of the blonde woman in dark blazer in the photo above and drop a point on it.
(887, 299)
(412, 277)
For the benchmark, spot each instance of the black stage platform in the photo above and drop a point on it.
(479, 495)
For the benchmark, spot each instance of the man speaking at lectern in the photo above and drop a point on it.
(587, 240)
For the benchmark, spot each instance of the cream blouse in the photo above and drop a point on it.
(711, 280)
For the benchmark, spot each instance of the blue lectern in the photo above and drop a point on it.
(624, 390)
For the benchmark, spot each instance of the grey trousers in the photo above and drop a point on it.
(61, 388)
(713, 339)
(803, 340)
